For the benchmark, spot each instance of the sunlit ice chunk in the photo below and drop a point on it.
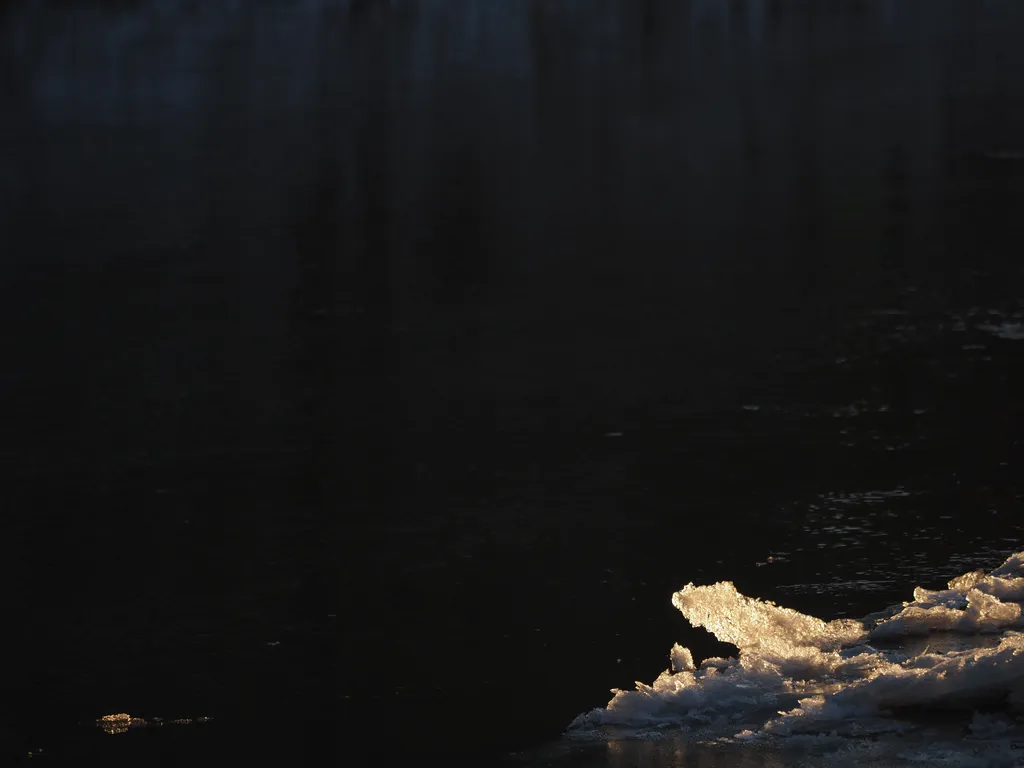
(797, 674)
(983, 613)
(757, 625)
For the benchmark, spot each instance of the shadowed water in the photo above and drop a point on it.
(387, 360)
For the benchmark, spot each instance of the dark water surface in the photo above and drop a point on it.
(382, 367)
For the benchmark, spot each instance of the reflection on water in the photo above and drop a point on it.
(305, 215)
(669, 749)
(677, 752)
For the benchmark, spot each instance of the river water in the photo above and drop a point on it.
(387, 365)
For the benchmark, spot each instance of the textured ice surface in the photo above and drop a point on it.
(798, 679)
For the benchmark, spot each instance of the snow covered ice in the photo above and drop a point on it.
(938, 679)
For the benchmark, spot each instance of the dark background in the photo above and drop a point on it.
(373, 371)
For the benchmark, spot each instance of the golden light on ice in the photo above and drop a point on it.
(120, 722)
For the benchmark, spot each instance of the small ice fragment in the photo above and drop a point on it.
(119, 722)
(681, 659)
